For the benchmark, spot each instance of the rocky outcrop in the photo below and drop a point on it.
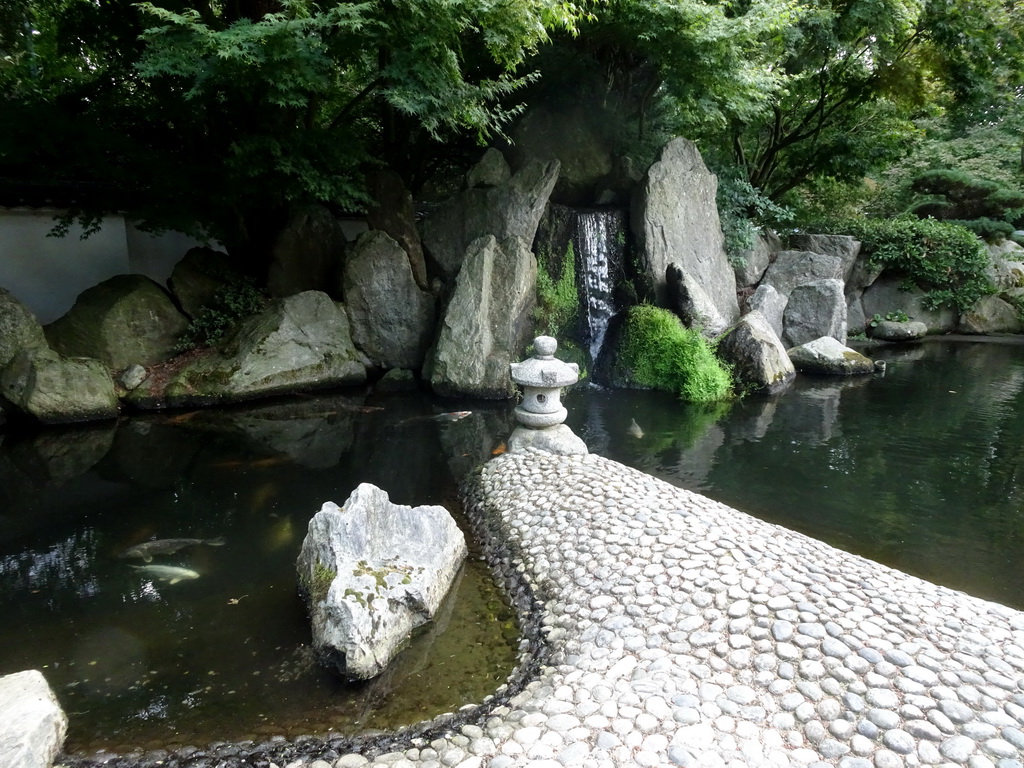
(371, 572)
(1006, 265)
(991, 314)
(815, 309)
(124, 320)
(19, 328)
(895, 330)
(750, 267)
(32, 724)
(758, 359)
(793, 268)
(512, 209)
(688, 299)
(392, 317)
(675, 220)
(298, 343)
(490, 171)
(53, 389)
(771, 304)
(828, 356)
(487, 322)
(843, 247)
(196, 279)
(308, 253)
(887, 295)
(392, 212)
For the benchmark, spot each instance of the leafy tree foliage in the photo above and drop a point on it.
(857, 74)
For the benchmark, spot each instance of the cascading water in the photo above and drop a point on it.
(600, 239)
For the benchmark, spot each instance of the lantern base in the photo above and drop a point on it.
(558, 439)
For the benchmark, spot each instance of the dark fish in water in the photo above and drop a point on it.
(147, 549)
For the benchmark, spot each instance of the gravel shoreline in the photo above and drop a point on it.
(664, 628)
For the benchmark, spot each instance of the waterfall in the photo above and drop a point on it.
(599, 237)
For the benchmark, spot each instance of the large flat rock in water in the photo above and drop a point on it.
(371, 572)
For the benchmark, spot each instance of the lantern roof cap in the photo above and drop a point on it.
(544, 369)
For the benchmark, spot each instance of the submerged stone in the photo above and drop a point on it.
(828, 356)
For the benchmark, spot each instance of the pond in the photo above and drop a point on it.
(917, 468)
(142, 663)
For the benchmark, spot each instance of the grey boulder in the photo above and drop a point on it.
(392, 317)
(843, 247)
(124, 320)
(372, 571)
(200, 274)
(511, 209)
(815, 309)
(793, 268)
(828, 356)
(487, 322)
(691, 302)
(58, 390)
(770, 303)
(894, 330)
(298, 343)
(991, 314)
(307, 254)
(19, 328)
(756, 354)
(32, 724)
(887, 295)
(751, 264)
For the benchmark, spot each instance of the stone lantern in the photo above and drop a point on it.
(541, 413)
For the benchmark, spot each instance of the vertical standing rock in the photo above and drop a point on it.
(392, 317)
(511, 209)
(675, 220)
(487, 322)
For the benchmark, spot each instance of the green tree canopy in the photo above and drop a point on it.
(220, 117)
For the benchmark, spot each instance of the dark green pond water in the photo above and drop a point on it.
(139, 662)
(918, 468)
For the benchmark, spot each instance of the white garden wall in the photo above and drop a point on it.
(48, 273)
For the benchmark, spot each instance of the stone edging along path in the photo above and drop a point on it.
(678, 631)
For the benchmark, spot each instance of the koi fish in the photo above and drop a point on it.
(147, 549)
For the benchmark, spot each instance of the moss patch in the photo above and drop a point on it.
(660, 353)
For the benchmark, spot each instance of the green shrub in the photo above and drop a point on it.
(230, 304)
(660, 353)
(558, 301)
(954, 195)
(945, 260)
(985, 228)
